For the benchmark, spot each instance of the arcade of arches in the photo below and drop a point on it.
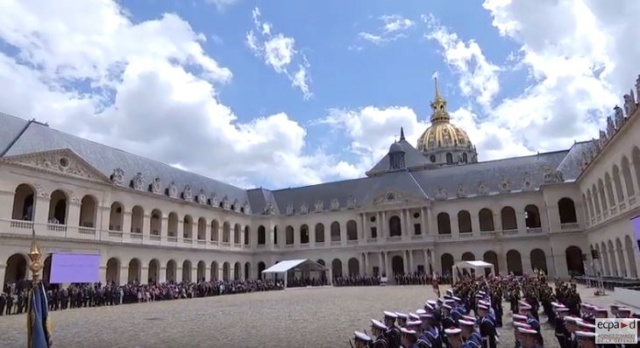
(616, 259)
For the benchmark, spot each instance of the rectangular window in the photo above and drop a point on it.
(374, 232)
(417, 230)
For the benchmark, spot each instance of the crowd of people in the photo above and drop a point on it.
(13, 299)
(470, 313)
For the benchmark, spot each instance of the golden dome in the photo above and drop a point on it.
(441, 133)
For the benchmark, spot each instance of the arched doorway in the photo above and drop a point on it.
(538, 260)
(133, 275)
(16, 269)
(261, 267)
(154, 271)
(46, 270)
(113, 270)
(336, 268)
(186, 271)
(215, 271)
(354, 267)
(226, 271)
(468, 256)
(446, 261)
(397, 265)
(171, 271)
(633, 267)
(23, 203)
(395, 227)
(58, 208)
(575, 265)
(237, 271)
(247, 270)
(492, 258)
(202, 270)
(514, 262)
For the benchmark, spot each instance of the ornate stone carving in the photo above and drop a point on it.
(187, 194)
(585, 160)
(619, 120)
(74, 198)
(319, 206)
(290, 209)
(629, 104)
(225, 203)
(602, 139)
(527, 184)
(156, 186)
(236, 206)
(462, 191)
(247, 208)
(505, 185)
(441, 193)
(269, 209)
(483, 190)
(172, 190)
(351, 202)
(117, 177)
(611, 127)
(40, 191)
(214, 200)
(552, 176)
(137, 183)
(304, 208)
(335, 204)
(202, 197)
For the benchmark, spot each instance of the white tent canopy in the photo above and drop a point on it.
(477, 266)
(304, 265)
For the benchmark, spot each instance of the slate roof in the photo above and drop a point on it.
(420, 181)
(38, 137)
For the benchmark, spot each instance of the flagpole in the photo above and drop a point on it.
(34, 256)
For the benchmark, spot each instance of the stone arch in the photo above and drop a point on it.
(446, 262)
(486, 220)
(16, 269)
(215, 230)
(532, 216)
(226, 271)
(603, 197)
(321, 261)
(508, 218)
(319, 229)
(289, 235)
(596, 200)
(154, 271)
(155, 221)
(444, 223)
(171, 271)
(631, 257)
(201, 272)
(464, 222)
(116, 216)
(626, 174)
(247, 235)
(226, 232)
(134, 271)
(172, 225)
(186, 271)
(395, 226)
(237, 231)
(635, 159)
(24, 203)
(352, 230)
(621, 260)
(88, 211)
(592, 211)
(113, 270)
(237, 271)
(538, 260)
(468, 256)
(604, 256)
(336, 268)
(215, 271)
(335, 232)
(187, 227)
(492, 258)
(575, 265)
(261, 267)
(275, 235)
(247, 270)
(202, 229)
(514, 262)
(58, 207)
(46, 270)
(304, 234)
(449, 158)
(354, 267)
(608, 185)
(611, 251)
(137, 219)
(567, 211)
(617, 184)
(397, 265)
(262, 235)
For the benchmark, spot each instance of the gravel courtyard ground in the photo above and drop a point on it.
(318, 317)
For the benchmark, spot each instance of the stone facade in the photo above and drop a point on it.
(545, 211)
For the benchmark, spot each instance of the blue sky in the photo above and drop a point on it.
(249, 90)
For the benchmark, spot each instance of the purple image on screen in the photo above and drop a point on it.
(635, 222)
(75, 268)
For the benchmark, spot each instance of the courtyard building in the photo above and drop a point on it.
(419, 209)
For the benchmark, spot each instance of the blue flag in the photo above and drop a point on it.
(37, 316)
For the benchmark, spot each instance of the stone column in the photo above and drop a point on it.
(144, 274)
(405, 262)
(162, 274)
(412, 267)
(164, 229)
(194, 273)
(3, 270)
(385, 225)
(423, 221)
(522, 222)
(146, 228)
(41, 214)
(380, 264)
(379, 226)
(387, 264)
(362, 229)
(124, 275)
(103, 273)
(403, 223)
(73, 215)
(366, 263)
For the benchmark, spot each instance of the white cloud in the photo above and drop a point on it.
(148, 87)
(222, 4)
(280, 53)
(393, 27)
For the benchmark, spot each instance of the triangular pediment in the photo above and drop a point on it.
(62, 162)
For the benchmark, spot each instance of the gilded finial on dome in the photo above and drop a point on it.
(35, 265)
(401, 133)
(439, 105)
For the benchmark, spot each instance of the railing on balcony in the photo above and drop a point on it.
(394, 238)
(172, 239)
(57, 228)
(261, 246)
(187, 240)
(154, 237)
(202, 242)
(86, 230)
(336, 243)
(372, 240)
(466, 235)
(19, 224)
(288, 246)
(570, 226)
(417, 237)
(136, 235)
(352, 242)
(622, 207)
(115, 234)
(510, 232)
(534, 230)
(487, 233)
(632, 200)
(444, 236)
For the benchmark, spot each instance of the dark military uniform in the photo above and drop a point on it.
(392, 337)
(380, 342)
(488, 333)
(561, 332)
